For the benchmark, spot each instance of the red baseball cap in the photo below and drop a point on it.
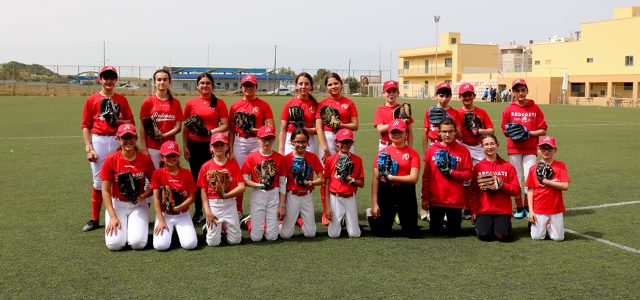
(466, 87)
(108, 69)
(126, 128)
(518, 81)
(443, 85)
(169, 147)
(249, 78)
(219, 137)
(398, 124)
(547, 140)
(266, 130)
(390, 84)
(344, 134)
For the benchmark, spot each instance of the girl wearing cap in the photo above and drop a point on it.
(213, 111)
(126, 222)
(165, 110)
(430, 132)
(342, 188)
(309, 106)
(100, 137)
(385, 114)
(299, 200)
(242, 142)
(522, 154)
(178, 179)
(491, 209)
(221, 209)
(442, 189)
(396, 193)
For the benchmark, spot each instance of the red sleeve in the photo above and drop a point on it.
(563, 175)
(87, 114)
(202, 180)
(377, 117)
(542, 123)
(232, 110)
(156, 179)
(150, 168)
(463, 173)
(177, 109)
(284, 166)
(486, 120)
(354, 109)
(315, 162)
(285, 111)
(415, 159)
(512, 185)
(532, 179)
(107, 173)
(237, 175)
(426, 123)
(189, 185)
(327, 166)
(127, 114)
(247, 166)
(145, 108)
(187, 109)
(223, 113)
(505, 120)
(358, 171)
(268, 113)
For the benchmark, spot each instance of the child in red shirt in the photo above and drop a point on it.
(309, 107)
(384, 114)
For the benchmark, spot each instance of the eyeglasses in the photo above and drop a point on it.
(545, 149)
(447, 131)
(489, 145)
(205, 83)
(520, 90)
(301, 143)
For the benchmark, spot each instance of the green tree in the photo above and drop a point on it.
(321, 74)
(286, 71)
(353, 84)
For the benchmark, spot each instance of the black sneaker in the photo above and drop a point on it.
(198, 218)
(244, 221)
(91, 225)
(466, 215)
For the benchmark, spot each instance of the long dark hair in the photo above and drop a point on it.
(307, 76)
(448, 121)
(299, 130)
(495, 139)
(168, 89)
(334, 76)
(214, 100)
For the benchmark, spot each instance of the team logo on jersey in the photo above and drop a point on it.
(256, 109)
(345, 106)
(310, 109)
(127, 127)
(405, 156)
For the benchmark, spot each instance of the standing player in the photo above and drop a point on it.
(299, 201)
(447, 164)
(386, 113)
(164, 110)
(263, 171)
(526, 123)
(435, 114)
(123, 179)
(304, 117)
(247, 115)
(103, 112)
(393, 190)
(177, 181)
(546, 182)
(218, 196)
(213, 112)
(344, 174)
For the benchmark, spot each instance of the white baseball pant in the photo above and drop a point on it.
(243, 147)
(183, 226)
(343, 208)
(302, 206)
(476, 156)
(227, 214)
(134, 225)
(554, 224)
(288, 147)
(103, 145)
(522, 163)
(155, 156)
(264, 209)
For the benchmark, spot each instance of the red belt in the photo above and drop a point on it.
(300, 193)
(343, 195)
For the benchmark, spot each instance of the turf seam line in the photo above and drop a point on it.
(610, 243)
(603, 205)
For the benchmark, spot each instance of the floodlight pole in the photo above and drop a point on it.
(437, 20)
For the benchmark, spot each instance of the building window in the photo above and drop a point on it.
(454, 40)
(447, 62)
(406, 82)
(547, 62)
(406, 65)
(589, 60)
(426, 66)
(628, 86)
(537, 62)
(628, 60)
(426, 82)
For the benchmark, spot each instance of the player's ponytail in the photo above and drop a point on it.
(168, 89)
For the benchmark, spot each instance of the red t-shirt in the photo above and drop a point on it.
(312, 160)
(182, 182)
(141, 167)
(231, 166)
(309, 107)
(345, 106)
(256, 158)
(496, 202)
(406, 157)
(210, 116)
(433, 129)
(96, 124)
(467, 137)
(547, 200)
(438, 189)
(530, 115)
(165, 114)
(383, 116)
(257, 107)
(337, 186)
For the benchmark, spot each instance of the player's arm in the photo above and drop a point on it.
(232, 138)
(162, 224)
(222, 127)
(412, 178)
(539, 132)
(211, 218)
(382, 128)
(532, 213)
(328, 211)
(410, 135)
(114, 223)
(353, 124)
(235, 192)
(282, 206)
(563, 186)
(317, 181)
(282, 135)
(375, 209)
(88, 145)
(175, 130)
(143, 140)
(425, 139)
(322, 139)
(186, 203)
(250, 183)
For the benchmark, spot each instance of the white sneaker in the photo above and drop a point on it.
(424, 215)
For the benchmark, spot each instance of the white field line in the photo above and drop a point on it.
(610, 243)
(603, 205)
(40, 137)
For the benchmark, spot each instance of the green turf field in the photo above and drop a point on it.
(45, 200)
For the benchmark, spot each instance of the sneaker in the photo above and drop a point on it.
(343, 223)
(244, 221)
(91, 225)
(204, 230)
(299, 222)
(367, 214)
(424, 215)
(325, 221)
(466, 215)
(240, 215)
(519, 214)
(397, 219)
(526, 212)
(198, 218)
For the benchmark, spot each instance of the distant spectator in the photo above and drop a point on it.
(504, 95)
(494, 94)
(486, 94)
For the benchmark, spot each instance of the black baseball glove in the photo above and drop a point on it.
(543, 171)
(197, 126)
(473, 123)
(402, 112)
(151, 128)
(128, 186)
(436, 115)
(266, 172)
(170, 198)
(344, 167)
(330, 117)
(110, 111)
(245, 121)
(517, 132)
(296, 116)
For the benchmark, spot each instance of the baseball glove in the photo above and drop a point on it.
(300, 170)
(196, 126)
(489, 181)
(330, 117)
(245, 121)
(219, 181)
(170, 198)
(445, 162)
(436, 115)
(128, 186)
(344, 167)
(386, 166)
(296, 116)
(265, 172)
(517, 132)
(473, 123)
(402, 112)
(151, 128)
(110, 111)
(543, 171)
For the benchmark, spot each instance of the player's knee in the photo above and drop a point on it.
(215, 242)
(161, 246)
(271, 236)
(503, 237)
(485, 237)
(189, 245)
(234, 240)
(557, 238)
(138, 244)
(256, 237)
(354, 234)
(115, 246)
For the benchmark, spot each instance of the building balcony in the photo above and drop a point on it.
(421, 72)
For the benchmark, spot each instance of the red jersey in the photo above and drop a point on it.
(210, 116)
(345, 106)
(530, 115)
(406, 157)
(337, 186)
(165, 114)
(257, 107)
(309, 107)
(467, 137)
(383, 116)
(182, 182)
(115, 163)
(433, 129)
(96, 124)
(441, 190)
(256, 158)
(496, 202)
(312, 160)
(231, 166)
(547, 200)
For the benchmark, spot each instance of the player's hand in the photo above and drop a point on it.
(328, 213)
(231, 156)
(473, 219)
(145, 150)
(211, 220)
(113, 226)
(186, 152)
(308, 183)
(162, 225)
(375, 211)
(325, 154)
(532, 218)
(92, 156)
(282, 212)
